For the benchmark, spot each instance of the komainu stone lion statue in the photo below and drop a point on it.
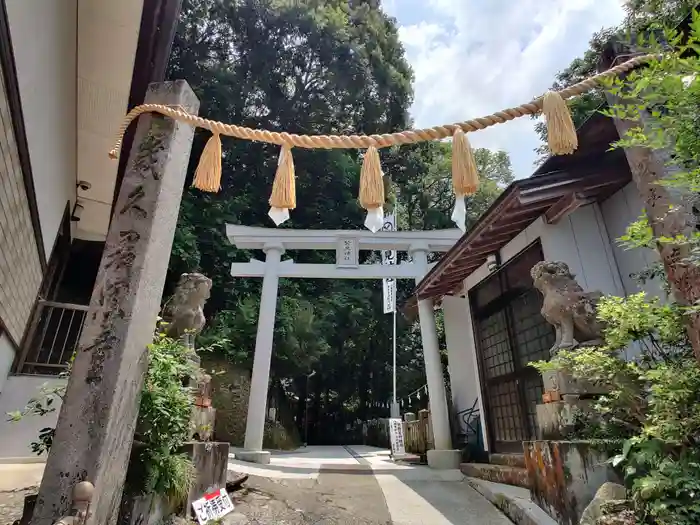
(184, 310)
(571, 311)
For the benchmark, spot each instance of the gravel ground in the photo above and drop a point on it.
(339, 496)
(348, 494)
(12, 503)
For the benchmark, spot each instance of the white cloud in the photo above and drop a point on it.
(474, 57)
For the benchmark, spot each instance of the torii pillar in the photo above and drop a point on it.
(257, 404)
(442, 456)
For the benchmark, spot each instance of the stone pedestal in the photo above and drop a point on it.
(564, 396)
(203, 414)
(556, 420)
(150, 509)
(211, 462)
(565, 475)
(203, 420)
(564, 384)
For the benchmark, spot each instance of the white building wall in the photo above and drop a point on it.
(17, 436)
(44, 39)
(581, 241)
(461, 357)
(7, 355)
(20, 263)
(621, 209)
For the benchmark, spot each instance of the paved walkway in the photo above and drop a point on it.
(324, 486)
(361, 484)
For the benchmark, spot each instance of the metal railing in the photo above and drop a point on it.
(53, 338)
(468, 430)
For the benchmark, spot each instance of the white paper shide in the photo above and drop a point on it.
(459, 213)
(375, 219)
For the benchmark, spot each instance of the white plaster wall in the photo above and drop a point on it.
(16, 437)
(7, 355)
(622, 208)
(581, 240)
(44, 39)
(510, 250)
(461, 353)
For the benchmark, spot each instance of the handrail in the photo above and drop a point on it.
(67, 306)
(467, 416)
(52, 337)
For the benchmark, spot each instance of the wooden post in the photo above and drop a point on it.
(95, 428)
(669, 211)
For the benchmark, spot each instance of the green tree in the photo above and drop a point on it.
(641, 14)
(332, 66)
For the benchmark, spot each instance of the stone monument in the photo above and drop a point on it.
(95, 429)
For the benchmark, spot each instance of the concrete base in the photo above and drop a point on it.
(254, 456)
(444, 459)
(395, 410)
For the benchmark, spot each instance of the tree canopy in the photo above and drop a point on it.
(332, 66)
(641, 14)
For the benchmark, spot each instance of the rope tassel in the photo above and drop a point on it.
(284, 196)
(561, 133)
(372, 190)
(208, 174)
(465, 177)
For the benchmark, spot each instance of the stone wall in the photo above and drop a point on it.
(565, 475)
(230, 391)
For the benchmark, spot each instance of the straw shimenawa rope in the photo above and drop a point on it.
(365, 141)
(561, 138)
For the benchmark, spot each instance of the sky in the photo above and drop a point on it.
(473, 57)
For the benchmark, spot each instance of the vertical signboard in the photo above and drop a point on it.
(389, 257)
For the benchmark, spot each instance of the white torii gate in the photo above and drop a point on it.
(347, 243)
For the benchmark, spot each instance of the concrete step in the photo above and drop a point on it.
(509, 460)
(514, 502)
(497, 473)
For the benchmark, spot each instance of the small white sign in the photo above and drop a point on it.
(212, 506)
(389, 287)
(398, 449)
(346, 253)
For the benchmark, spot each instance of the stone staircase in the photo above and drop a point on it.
(508, 469)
